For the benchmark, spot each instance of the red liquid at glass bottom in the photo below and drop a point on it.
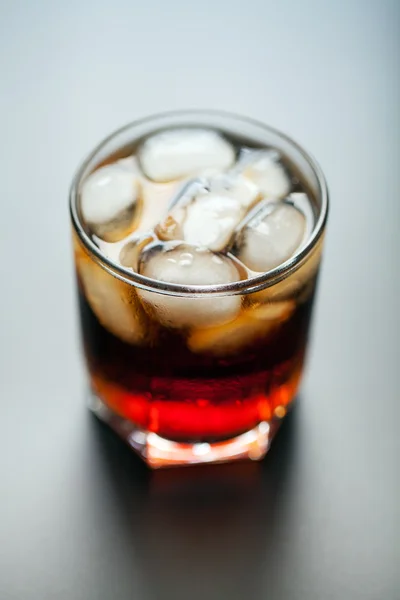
(175, 407)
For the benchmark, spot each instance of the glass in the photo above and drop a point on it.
(171, 402)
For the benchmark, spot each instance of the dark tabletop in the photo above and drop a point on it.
(81, 518)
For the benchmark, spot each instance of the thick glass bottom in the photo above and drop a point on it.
(159, 452)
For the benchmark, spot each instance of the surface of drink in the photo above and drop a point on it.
(194, 360)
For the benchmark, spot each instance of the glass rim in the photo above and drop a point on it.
(243, 286)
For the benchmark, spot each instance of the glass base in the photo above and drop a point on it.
(159, 452)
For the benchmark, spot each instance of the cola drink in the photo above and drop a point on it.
(197, 248)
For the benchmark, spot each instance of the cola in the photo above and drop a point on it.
(197, 253)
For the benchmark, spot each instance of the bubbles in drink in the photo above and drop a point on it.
(110, 200)
(188, 265)
(182, 153)
(271, 236)
(266, 170)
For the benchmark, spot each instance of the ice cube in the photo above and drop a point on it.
(212, 217)
(188, 265)
(264, 168)
(109, 200)
(208, 216)
(156, 199)
(114, 303)
(271, 236)
(210, 221)
(184, 152)
(170, 227)
(299, 285)
(235, 185)
(252, 326)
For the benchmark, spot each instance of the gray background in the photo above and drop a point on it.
(80, 518)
